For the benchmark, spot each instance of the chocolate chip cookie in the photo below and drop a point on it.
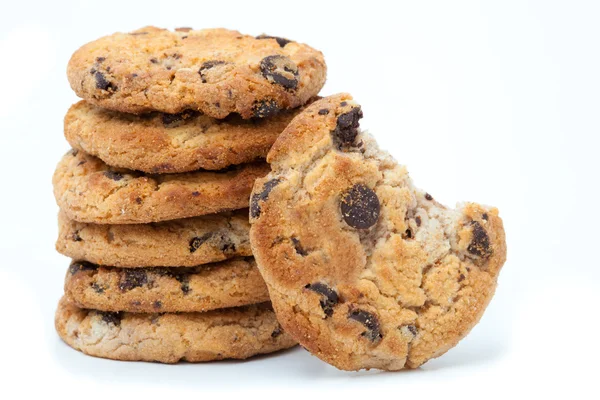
(230, 283)
(179, 243)
(88, 190)
(236, 333)
(166, 143)
(214, 71)
(364, 269)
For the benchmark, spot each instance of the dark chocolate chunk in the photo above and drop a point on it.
(343, 103)
(360, 207)
(323, 111)
(102, 83)
(184, 280)
(408, 234)
(329, 297)
(100, 59)
(418, 221)
(278, 331)
(157, 305)
(461, 277)
(299, 248)
(480, 244)
(265, 108)
(280, 41)
(133, 278)
(410, 328)
(280, 70)
(82, 266)
(208, 65)
(346, 128)
(115, 176)
(428, 196)
(195, 193)
(110, 317)
(75, 237)
(97, 288)
(154, 60)
(262, 196)
(484, 216)
(196, 242)
(370, 322)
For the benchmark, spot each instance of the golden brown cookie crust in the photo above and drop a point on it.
(236, 333)
(178, 243)
(88, 190)
(364, 269)
(231, 283)
(214, 71)
(161, 143)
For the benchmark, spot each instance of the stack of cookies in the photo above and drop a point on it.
(154, 195)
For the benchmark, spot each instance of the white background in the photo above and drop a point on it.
(494, 102)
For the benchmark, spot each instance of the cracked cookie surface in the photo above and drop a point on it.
(364, 269)
(231, 283)
(236, 333)
(178, 243)
(163, 143)
(214, 71)
(88, 190)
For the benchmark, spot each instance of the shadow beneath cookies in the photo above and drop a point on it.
(279, 369)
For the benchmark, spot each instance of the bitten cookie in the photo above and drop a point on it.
(364, 269)
(166, 143)
(179, 243)
(231, 283)
(88, 190)
(214, 71)
(168, 338)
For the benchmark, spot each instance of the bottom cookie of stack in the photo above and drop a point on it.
(235, 333)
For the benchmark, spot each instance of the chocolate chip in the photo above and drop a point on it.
(323, 111)
(280, 70)
(484, 216)
(265, 108)
(115, 176)
(157, 305)
(102, 83)
(133, 278)
(138, 200)
(480, 244)
(110, 317)
(196, 242)
(343, 103)
(360, 207)
(75, 237)
(227, 245)
(100, 59)
(346, 128)
(418, 221)
(329, 297)
(154, 60)
(195, 193)
(407, 234)
(280, 41)
(184, 280)
(208, 65)
(170, 119)
(97, 288)
(409, 330)
(276, 332)
(461, 277)
(299, 248)
(370, 322)
(74, 152)
(82, 266)
(428, 196)
(262, 196)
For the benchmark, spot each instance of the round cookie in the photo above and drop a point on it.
(178, 243)
(236, 333)
(164, 143)
(231, 283)
(364, 269)
(214, 71)
(88, 190)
